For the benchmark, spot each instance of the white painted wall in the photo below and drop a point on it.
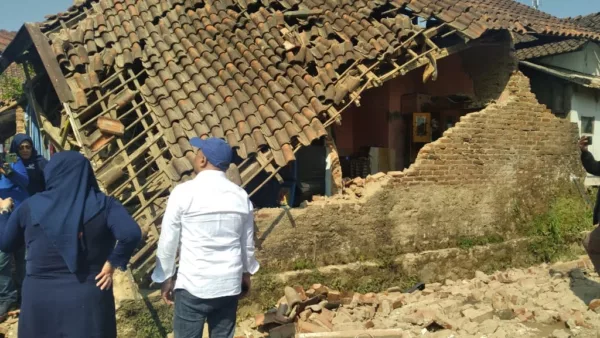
(586, 61)
(586, 102)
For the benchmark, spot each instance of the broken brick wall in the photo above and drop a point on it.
(384, 116)
(463, 185)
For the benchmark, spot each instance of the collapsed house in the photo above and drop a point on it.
(565, 76)
(127, 83)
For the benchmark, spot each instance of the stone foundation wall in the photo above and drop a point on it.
(464, 186)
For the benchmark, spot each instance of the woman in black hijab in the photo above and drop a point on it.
(22, 145)
(70, 231)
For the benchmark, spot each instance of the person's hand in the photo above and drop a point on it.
(583, 143)
(166, 291)
(105, 277)
(246, 285)
(6, 204)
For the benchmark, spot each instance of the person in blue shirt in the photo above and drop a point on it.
(76, 237)
(22, 145)
(13, 184)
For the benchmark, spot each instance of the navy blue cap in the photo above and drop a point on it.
(216, 150)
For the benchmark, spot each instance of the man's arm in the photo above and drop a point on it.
(168, 242)
(249, 261)
(589, 163)
(587, 159)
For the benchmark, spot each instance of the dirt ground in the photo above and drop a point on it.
(542, 301)
(556, 300)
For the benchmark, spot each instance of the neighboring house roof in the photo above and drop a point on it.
(5, 38)
(469, 15)
(591, 21)
(531, 47)
(13, 71)
(528, 50)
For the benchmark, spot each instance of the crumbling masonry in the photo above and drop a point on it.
(465, 184)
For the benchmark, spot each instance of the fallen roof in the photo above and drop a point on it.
(235, 69)
(229, 69)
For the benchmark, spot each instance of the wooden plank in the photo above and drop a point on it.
(56, 76)
(51, 131)
(75, 126)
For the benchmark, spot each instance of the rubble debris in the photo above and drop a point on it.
(321, 309)
(513, 303)
(357, 188)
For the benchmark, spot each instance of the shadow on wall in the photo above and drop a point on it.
(491, 76)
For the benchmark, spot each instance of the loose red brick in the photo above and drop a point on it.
(301, 292)
(594, 304)
(334, 296)
(259, 319)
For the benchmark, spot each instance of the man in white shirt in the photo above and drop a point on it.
(211, 218)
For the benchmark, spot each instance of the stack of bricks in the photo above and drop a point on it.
(20, 120)
(514, 134)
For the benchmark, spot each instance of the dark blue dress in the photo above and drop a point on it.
(56, 302)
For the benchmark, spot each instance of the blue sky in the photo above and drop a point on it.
(13, 13)
(564, 8)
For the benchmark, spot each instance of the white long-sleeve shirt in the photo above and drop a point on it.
(211, 218)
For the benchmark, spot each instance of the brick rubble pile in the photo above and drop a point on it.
(514, 303)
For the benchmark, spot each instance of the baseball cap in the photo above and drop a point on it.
(216, 150)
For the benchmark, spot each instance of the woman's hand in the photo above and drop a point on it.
(105, 277)
(6, 204)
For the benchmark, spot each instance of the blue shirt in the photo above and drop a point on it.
(15, 184)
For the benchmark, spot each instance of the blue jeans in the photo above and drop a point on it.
(191, 313)
(9, 294)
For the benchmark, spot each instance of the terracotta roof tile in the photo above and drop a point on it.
(473, 17)
(533, 48)
(238, 70)
(591, 21)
